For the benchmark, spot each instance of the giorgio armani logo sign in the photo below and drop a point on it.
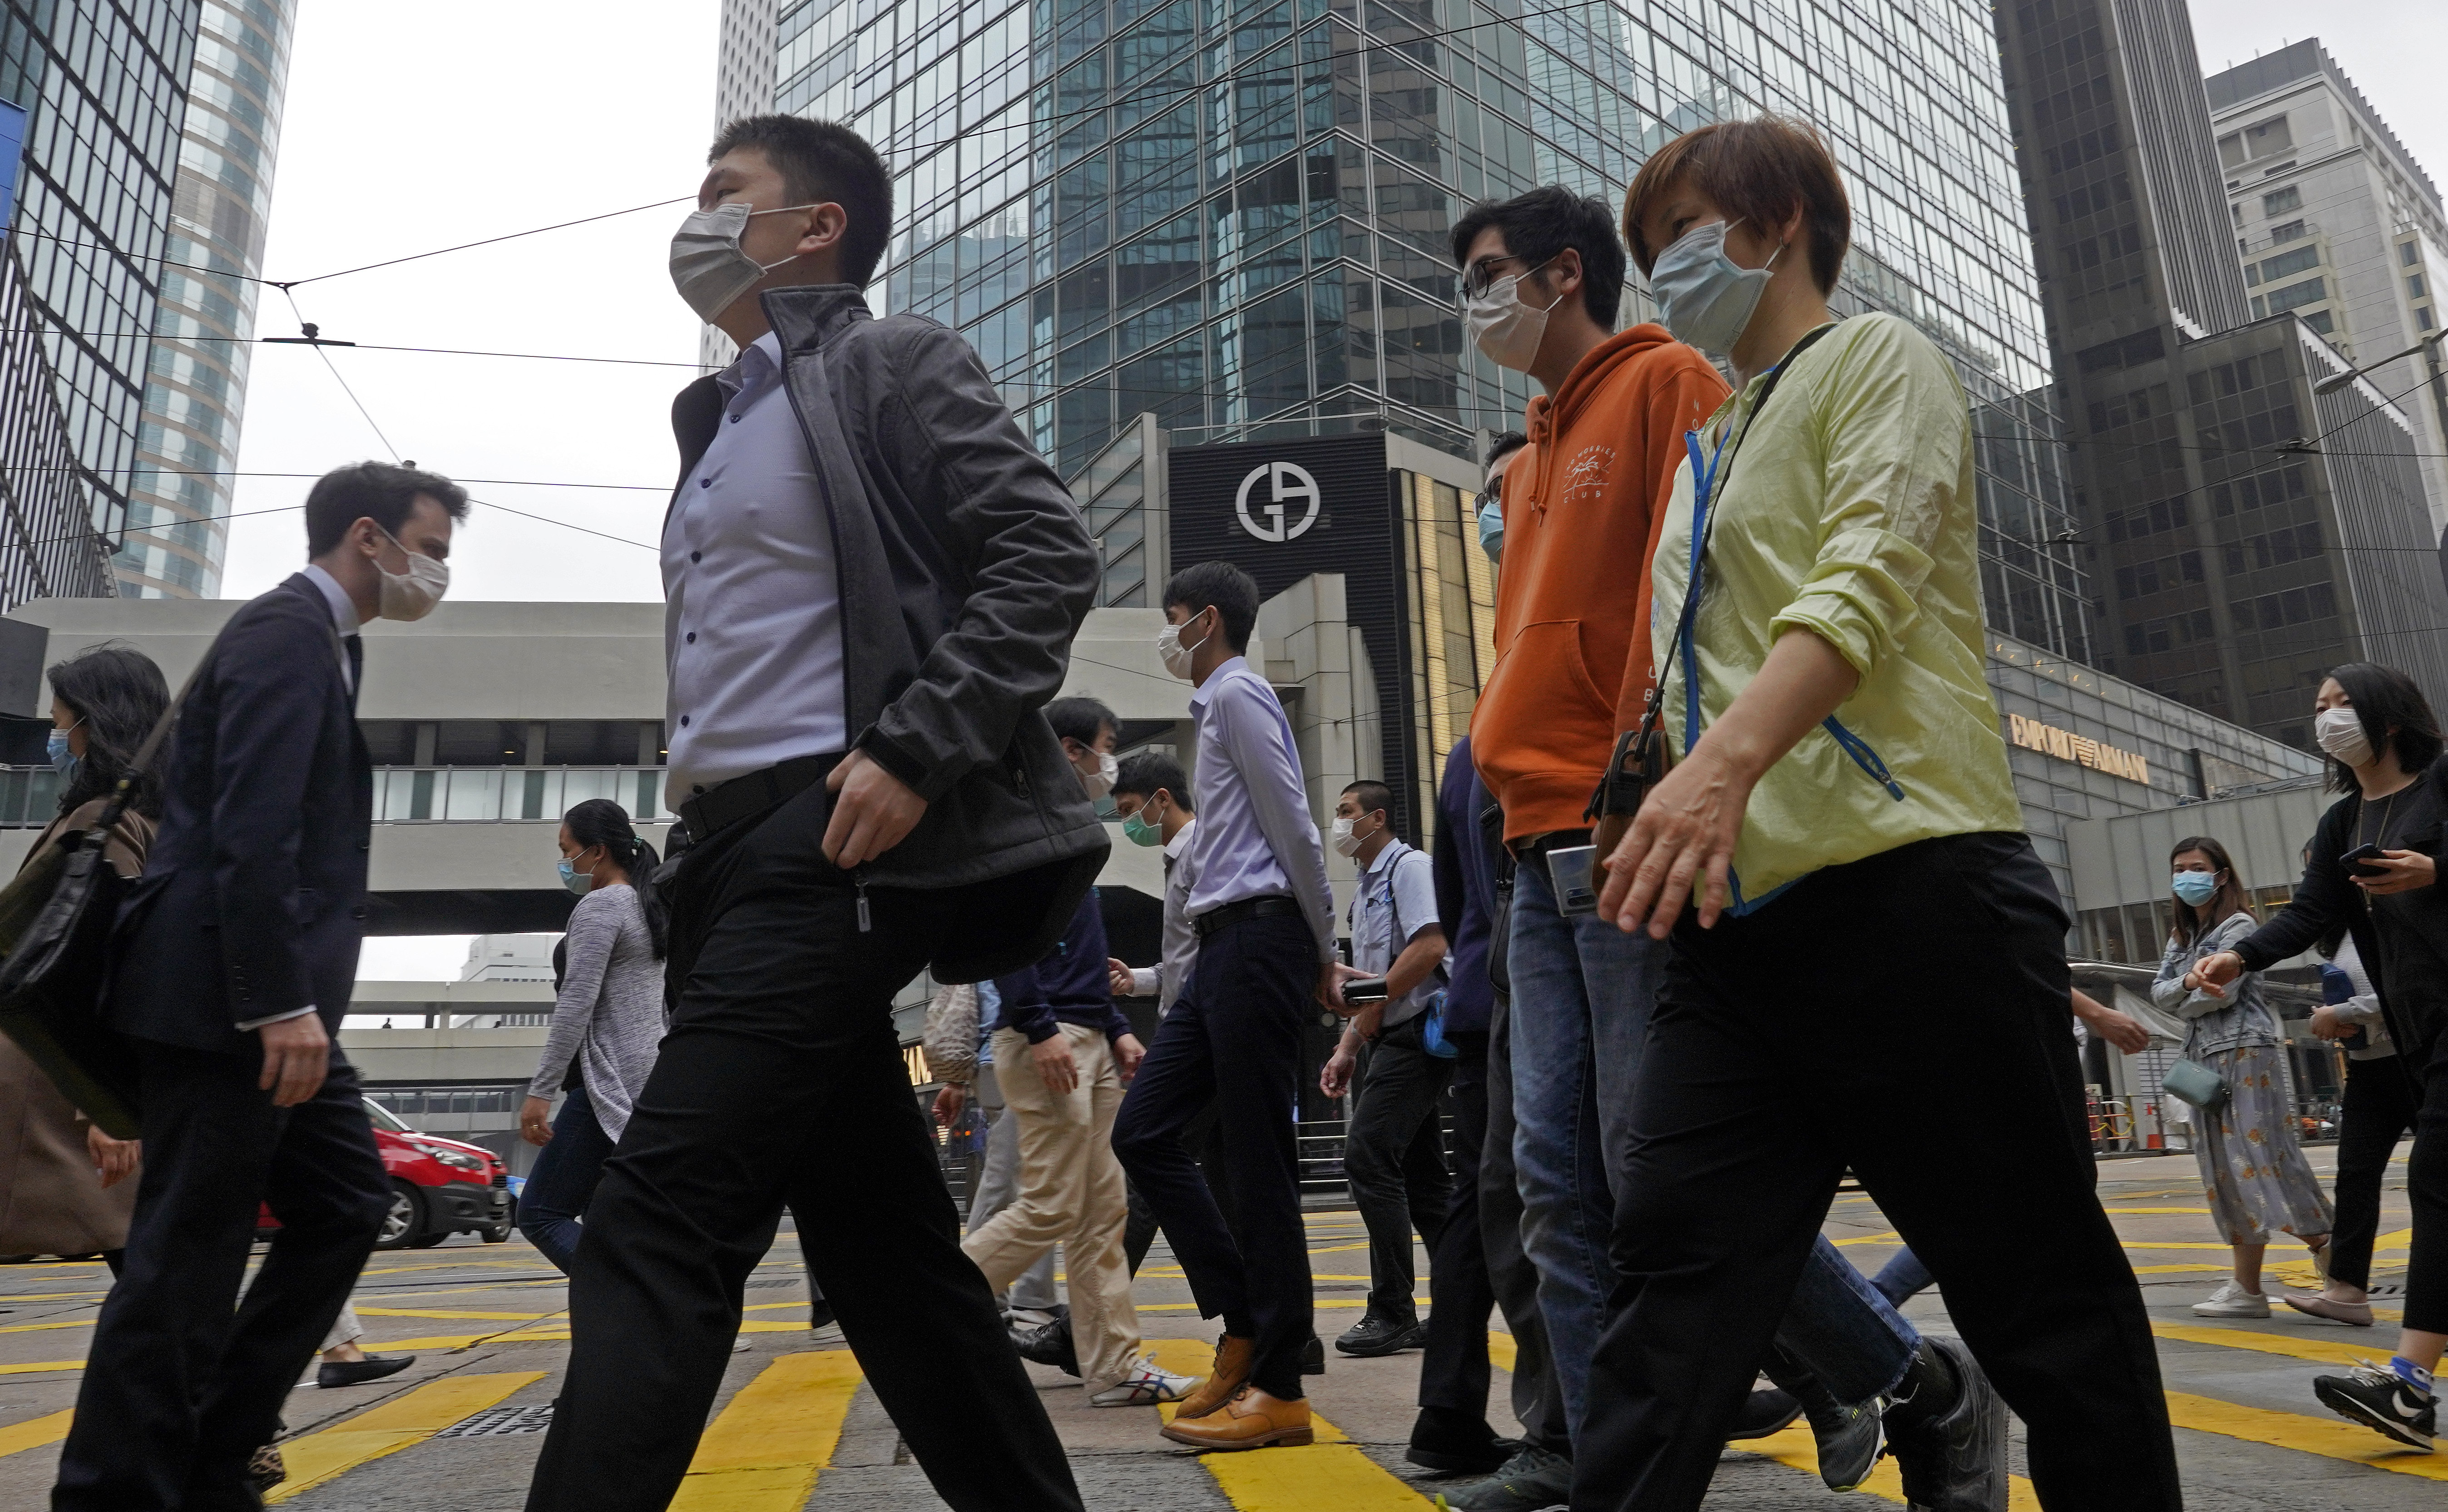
(1277, 502)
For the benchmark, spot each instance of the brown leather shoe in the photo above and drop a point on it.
(1230, 1373)
(1252, 1419)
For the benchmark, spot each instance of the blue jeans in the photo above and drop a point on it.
(562, 1180)
(1583, 990)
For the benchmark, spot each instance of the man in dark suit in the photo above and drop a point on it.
(233, 962)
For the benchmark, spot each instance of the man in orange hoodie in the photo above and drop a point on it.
(1542, 279)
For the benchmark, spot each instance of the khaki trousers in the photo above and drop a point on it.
(1071, 1193)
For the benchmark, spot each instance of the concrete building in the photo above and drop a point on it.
(2241, 532)
(2337, 221)
(103, 86)
(195, 386)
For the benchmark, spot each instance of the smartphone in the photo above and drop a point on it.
(1362, 991)
(2355, 858)
(1569, 871)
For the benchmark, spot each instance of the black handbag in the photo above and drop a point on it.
(56, 918)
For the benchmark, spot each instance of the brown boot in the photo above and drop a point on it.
(1230, 1373)
(1252, 1419)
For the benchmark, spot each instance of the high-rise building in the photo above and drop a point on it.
(2336, 221)
(105, 84)
(195, 390)
(2242, 531)
(743, 87)
(1235, 218)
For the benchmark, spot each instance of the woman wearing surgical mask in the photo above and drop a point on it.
(2253, 1170)
(607, 1021)
(2374, 868)
(1500, 454)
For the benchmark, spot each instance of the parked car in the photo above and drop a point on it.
(438, 1187)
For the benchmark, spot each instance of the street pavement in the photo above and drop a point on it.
(795, 1428)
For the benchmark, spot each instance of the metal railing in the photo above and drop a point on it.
(29, 796)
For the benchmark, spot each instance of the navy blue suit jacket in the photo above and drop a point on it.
(253, 900)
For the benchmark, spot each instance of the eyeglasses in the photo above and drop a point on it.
(1481, 276)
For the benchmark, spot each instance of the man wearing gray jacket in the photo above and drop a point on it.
(873, 584)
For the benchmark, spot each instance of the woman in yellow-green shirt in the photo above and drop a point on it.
(1869, 965)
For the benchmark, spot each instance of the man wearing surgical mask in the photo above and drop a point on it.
(1543, 281)
(871, 581)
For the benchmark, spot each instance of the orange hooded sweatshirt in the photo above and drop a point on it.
(1582, 506)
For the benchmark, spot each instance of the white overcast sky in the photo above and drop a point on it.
(412, 127)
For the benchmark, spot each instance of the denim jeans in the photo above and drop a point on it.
(1902, 1277)
(562, 1180)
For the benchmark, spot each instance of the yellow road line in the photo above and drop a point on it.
(1331, 1475)
(38, 1368)
(398, 1423)
(2172, 1270)
(762, 1454)
(2270, 1343)
(1795, 1448)
(1891, 1236)
(34, 1432)
(1501, 1349)
(2331, 1438)
(37, 1328)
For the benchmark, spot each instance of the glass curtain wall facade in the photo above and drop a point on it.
(1233, 214)
(104, 82)
(195, 391)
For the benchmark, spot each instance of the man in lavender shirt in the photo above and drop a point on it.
(1266, 958)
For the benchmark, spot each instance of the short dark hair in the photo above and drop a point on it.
(1220, 585)
(2385, 699)
(1374, 796)
(1149, 773)
(119, 693)
(1503, 444)
(1544, 222)
(1081, 718)
(822, 162)
(374, 490)
(1757, 171)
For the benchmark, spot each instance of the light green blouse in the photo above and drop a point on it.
(1848, 511)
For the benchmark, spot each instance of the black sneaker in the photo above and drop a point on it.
(1378, 1334)
(1534, 1479)
(1952, 1460)
(1768, 1411)
(1850, 1441)
(1049, 1344)
(1314, 1356)
(2380, 1399)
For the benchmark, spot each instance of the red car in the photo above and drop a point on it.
(438, 1187)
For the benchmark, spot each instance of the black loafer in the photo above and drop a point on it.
(357, 1372)
(1049, 1344)
(1768, 1411)
(1443, 1442)
(1377, 1334)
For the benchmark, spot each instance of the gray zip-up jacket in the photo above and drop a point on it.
(965, 570)
(2232, 1023)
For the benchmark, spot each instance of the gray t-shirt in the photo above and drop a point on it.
(1400, 887)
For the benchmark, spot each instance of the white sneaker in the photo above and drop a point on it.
(1147, 1385)
(2232, 1301)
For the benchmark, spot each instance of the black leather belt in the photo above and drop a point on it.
(1231, 914)
(744, 797)
(1535, 847)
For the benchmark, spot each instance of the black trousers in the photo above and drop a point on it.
(2426, 1173)
(2379, 1109)
(781, 1083)
(1454, 1369)
(1538, 1396)
(1393, 1152)
(1855, 1021)
(1233, 1039)
(185, 1380)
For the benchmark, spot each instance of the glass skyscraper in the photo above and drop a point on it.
(1235, 216)
(195, 384)
(104, 82)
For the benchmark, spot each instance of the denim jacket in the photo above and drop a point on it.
(2238, 1021)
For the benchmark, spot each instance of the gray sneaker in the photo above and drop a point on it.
(1533, 1479)
(1850, 1440)
(1957, 1460)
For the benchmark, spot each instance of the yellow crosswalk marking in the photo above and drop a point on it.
(1501, 1349)
(2268, 1343)
(398, 1423)
(38, 1367)
(34, 1432)
(1794, 1446)
(2331, 1438)
(1331, 1475)
(762, 1454)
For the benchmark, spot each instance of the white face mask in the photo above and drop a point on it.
(1100, 782)
(708, 266)
(1704, 297)
(2339, 732)
(1175, 655)
(410, 595)
(1505, 328)
(1345, 842)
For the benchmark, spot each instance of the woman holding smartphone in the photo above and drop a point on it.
(2375, 868)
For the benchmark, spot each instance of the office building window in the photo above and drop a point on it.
(2414, 286)
(2406, 254)
(2286, 232)
(2279, 202)
(2311, 291)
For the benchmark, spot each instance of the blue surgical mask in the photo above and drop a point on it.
(1704, 297)
(576, 881)
(1491, 529)
(63, 760)
(2195, 887)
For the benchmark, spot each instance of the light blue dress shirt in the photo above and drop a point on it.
(752, 617)
(1400, 883)
(1255, 837)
